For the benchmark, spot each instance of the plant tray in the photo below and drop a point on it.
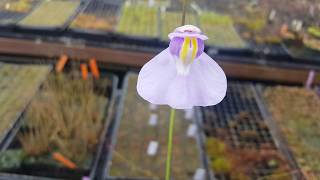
(18, 84)
(46, 16)
(138, 19)
(294, 115)
(15, 162)
(11, 11)
(99, 15)
(240, 124)
(137, 128)
(221, 31)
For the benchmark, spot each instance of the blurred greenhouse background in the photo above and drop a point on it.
(69, 107)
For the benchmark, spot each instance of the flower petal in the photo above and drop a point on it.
(159, 82)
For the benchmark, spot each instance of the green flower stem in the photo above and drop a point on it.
(170, 137)
(172, 113)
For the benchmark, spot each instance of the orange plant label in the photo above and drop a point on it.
(61, 63)
(94, 68)
(66, 162)
(84, 71)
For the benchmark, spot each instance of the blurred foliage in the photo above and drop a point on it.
(138, 19)
(255, 25)
(220, 30)
(66, 117)
(20, 6)
(314, 31)
(88, 21)
(19, 83)
(241, 164)
(172, 19)
(11, 159)
(51, 13)
(311, 42)
(296, 110)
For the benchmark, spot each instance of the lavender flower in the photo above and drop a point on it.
(183, 76)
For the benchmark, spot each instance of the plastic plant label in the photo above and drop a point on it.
(153, 119)
(152, 148)
(152, 106)
(200, 174)
(163, 9)
(38, 41)
(151, 3)
(192, 130)
(188, 114)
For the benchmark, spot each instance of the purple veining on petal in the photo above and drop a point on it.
(176, 44)
(200, 47)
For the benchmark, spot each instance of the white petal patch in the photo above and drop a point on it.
(183, 67)
(188, 27)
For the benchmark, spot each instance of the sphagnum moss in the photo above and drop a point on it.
(296, 111)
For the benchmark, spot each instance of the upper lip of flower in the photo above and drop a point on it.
(188, 32)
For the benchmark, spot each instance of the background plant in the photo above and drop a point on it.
(296, 112)
(66, 117)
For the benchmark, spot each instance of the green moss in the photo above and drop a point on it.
(18, 84)
(220, 30)
(221, 165)
(215, 147)
(51, 13)
(138, 20)
(255, 25)
(314, 31)
(11, 159)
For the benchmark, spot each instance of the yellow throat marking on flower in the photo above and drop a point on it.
(185, 49)
(194, 47)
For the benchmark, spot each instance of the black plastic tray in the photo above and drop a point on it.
(112, 142)
(92, 173)
(270, 51)
(145, 44)
(242, 98)
(115, 128)
(300, 52)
